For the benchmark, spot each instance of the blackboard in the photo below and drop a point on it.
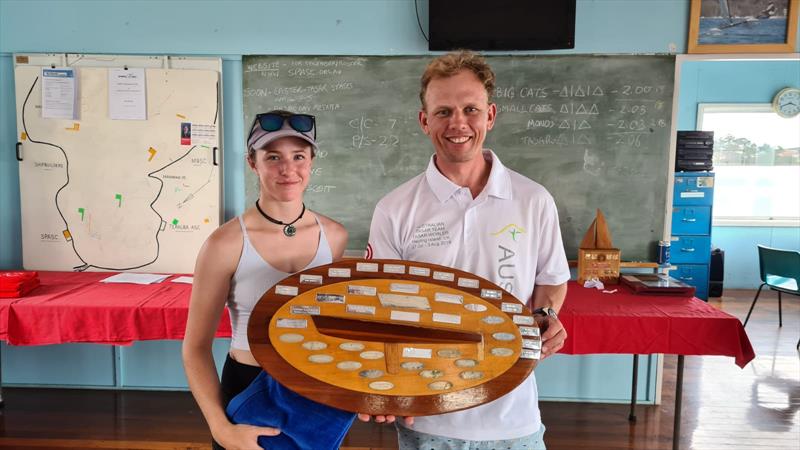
(593, 129)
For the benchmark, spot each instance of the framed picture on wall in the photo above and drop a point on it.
(743, 26)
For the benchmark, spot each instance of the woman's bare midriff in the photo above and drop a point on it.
(243, 357)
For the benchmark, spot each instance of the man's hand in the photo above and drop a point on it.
(384, 419)
(547, 301)
(553, 334)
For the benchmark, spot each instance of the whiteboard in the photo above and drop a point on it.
(119, 195)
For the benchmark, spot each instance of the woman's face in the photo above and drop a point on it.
(283, 168)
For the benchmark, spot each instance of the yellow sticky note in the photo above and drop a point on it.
(23, 136)
(181, 116)
(75, 127)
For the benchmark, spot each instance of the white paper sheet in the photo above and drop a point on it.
(126, 94)
(59, 93)
(135, 278)
(204, 134)
(183, 279)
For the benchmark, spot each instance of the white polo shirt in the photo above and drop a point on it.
(509, 235)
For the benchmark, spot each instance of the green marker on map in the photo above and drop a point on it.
(174, 221)
(119, 197)
(80, 210)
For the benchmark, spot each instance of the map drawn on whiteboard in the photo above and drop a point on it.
(119, 195)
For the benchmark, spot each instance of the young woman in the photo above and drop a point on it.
(245, 257)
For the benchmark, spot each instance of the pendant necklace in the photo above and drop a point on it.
(289, 229)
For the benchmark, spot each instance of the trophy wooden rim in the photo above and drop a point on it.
(379, 403)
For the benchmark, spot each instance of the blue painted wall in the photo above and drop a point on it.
(738, 82)
(142, 365)
(229, 29)
(10, 242)
(741, 253)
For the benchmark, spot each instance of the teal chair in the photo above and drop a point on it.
(780, 271)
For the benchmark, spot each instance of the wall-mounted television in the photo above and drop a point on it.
(501, 24)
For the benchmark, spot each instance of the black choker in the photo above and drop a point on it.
(288, 228)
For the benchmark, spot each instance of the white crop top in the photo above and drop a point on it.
(253, 277)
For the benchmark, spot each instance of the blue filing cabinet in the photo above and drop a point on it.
(690, 249)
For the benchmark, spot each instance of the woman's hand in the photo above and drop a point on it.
(384, 419)
(244, 437)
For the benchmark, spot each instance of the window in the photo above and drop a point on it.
(757, 164)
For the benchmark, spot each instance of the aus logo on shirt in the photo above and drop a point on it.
(506, 254)
(511, 229)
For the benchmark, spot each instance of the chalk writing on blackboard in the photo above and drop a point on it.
(593, 129)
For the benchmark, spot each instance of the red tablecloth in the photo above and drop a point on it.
(77, 307)
(628, 323)
(5, 306)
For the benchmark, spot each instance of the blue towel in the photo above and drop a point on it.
(304, 424)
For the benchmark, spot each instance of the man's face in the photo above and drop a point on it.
(457, 116)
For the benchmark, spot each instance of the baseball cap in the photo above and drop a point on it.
(273, 125)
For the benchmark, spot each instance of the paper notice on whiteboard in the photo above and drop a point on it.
(59, 93)
(127, 97)
(204, 134)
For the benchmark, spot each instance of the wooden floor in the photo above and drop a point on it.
(724, 407)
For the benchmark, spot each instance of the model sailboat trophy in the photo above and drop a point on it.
(597, 257)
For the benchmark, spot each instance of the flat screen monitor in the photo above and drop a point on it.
(501, 24)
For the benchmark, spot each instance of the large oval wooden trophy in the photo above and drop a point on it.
(394, 337)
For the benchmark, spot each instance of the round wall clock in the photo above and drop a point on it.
(787, 102)
(394, 337)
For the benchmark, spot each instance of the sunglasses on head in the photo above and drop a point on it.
(303, 123)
